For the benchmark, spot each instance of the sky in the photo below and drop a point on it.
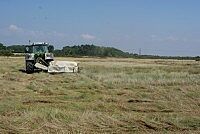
(156, 27)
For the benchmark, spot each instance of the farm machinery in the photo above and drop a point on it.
(39, 56)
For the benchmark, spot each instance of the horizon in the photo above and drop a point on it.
(164, 28)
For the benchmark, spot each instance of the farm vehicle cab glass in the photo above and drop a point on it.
(38, 50)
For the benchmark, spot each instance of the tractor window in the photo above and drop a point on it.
(40, 49)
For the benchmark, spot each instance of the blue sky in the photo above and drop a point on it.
(159, 27)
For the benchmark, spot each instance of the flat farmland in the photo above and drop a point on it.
(109, 95)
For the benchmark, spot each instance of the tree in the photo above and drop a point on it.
(16, 48)
(91, 50)
(51, 48)
(2, 47)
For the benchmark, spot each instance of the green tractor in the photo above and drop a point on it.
(38, 53)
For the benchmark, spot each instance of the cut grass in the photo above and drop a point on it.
(108, 96)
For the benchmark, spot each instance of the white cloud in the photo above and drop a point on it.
(166, 38)
(58, 34)
(153, 36)
(171, 38)
(14, 28)
(34, 33)
(18, 34)
(88, 37)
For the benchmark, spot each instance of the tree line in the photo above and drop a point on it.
(88, 50)
(5, 51)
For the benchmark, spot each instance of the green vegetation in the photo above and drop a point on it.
(16, 48)
(4, 51)
(89, 51)
(110, 95)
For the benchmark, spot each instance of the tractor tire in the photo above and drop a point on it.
(29, 67)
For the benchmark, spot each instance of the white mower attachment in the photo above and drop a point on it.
(59, 67)
(63, 67)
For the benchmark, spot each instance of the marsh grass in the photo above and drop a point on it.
(108, 96)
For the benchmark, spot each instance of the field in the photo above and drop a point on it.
(108, 96)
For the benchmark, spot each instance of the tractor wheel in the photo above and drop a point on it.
(29, 67)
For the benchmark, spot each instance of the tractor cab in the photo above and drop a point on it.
(37, 48)
(36, 52)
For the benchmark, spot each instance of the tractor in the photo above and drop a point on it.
(39, 52)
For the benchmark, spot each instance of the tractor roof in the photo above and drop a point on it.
(39, 44)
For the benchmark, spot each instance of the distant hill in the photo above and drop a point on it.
(90, 50)
(100, 51)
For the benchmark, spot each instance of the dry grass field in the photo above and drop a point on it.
(108, 96)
